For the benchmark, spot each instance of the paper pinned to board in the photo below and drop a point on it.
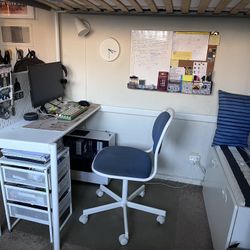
(174, 63)
(175, 74)
(194, 42)
(200, 69)
(182, 55)
(214, 40)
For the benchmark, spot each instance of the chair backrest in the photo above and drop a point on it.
(160, 127)
(159, 130)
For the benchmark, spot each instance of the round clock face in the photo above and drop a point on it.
(109, 49)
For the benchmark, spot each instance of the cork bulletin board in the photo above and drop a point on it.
(173, 61)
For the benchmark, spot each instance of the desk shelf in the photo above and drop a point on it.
(84, 145)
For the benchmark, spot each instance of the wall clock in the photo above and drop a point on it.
(109, 49)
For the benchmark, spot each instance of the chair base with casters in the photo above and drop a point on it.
(130, 164)
(123, 202)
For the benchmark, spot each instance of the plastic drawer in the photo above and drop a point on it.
(25, 195)
(29, 213)
(63, 165)
(64, 203)
(24, 176)
(63, 185)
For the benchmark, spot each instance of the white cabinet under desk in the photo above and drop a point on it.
(84, 145)
(26, 189)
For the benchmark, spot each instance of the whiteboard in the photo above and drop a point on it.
(150, 53)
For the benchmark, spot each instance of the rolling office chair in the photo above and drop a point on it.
(130, 164)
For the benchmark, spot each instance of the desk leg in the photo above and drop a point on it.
(55, 200)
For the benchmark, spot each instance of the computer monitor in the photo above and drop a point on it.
(45, 82)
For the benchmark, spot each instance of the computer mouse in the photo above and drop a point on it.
(84, 103)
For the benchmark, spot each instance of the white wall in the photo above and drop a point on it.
(42, 36)
(130, 113)
(43, 42)
(105, 82)
(187, 134)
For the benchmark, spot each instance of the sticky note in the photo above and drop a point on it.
(182, 55)
(187, 78)
(214, 40)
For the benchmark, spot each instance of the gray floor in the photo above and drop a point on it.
(186, 225)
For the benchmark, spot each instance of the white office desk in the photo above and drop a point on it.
(19, 137)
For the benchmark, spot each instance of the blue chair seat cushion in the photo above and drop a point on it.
(123, 162)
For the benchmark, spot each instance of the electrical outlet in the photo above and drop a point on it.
(194, 157)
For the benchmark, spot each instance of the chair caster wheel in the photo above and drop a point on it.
(160, 219)
(123, 240)
(83, 219)
(99, 192)
(142, 194)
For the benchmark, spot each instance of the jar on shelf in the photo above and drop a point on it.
(134, 79)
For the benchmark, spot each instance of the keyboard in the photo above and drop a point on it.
(70, 112)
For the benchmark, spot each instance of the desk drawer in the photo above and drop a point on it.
(24, 176)
(34, 197)
(29, 213)
(63, 165)
(29, 196)
(64, 203)
(63, 185)
(35, 214)
(33, 178)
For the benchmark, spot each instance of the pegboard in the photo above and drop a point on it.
(23, 105)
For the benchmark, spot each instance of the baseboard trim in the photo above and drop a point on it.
(196, 182)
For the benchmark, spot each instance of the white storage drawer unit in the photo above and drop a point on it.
(63, 164)
(23, 176)
(34, 197)
(26, 188)
(229, 219)
(32, 174)
(35, 214)
(28, 213)
(63, 185)
(29, 196)
(64, 203)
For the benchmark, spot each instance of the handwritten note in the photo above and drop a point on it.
(150, 53)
